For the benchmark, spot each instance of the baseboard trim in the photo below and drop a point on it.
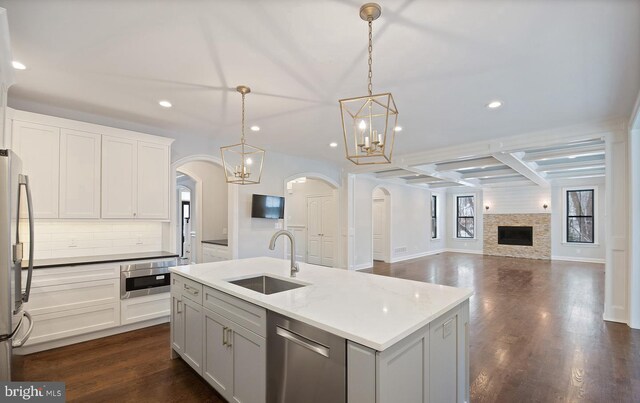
(361, 266)
(48, 345)
(473, 252)
(416, 255)
(577, 259)
(612, 319)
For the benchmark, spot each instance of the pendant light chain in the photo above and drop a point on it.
(370, 86)
(242, 138)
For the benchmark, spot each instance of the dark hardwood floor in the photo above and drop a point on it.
(537, 335)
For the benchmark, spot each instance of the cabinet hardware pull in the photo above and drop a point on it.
(224, 336)
(179, 306)
(229, 335)
(191, 290)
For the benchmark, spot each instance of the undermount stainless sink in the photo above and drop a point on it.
(266, 284)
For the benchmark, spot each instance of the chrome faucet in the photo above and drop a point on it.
(272, 245)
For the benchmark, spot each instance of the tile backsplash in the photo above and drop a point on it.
(56, 239)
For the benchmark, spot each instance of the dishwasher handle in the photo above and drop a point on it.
(303, 341)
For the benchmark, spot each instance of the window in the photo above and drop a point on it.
(580, 220)
(465, 217)
(434, 217)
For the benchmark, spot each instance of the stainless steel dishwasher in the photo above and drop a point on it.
(304, 363)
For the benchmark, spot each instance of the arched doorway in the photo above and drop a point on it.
(311, 215)
(212, 205)
(381, 225)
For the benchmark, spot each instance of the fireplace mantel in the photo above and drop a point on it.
(541, 224)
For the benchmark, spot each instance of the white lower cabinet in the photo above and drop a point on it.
(214, 253)
(231, 358)
(139, 309)
(430, 365)
(71, 301)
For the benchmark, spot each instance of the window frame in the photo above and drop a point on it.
(458, 216)
(434, 217)
(594, 208)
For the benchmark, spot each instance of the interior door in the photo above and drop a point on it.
(314, 229)
(379, 228)
(328, 224)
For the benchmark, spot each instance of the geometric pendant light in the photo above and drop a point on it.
(369, 122)
(242, 162)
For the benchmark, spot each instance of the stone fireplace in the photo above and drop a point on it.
(518, 235)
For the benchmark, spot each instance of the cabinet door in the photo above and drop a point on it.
(177, 324)
(118, 177)
(193, 325)
(153, 181)
(444, 359)
(79, 174)
(218, 355)
(38, 146)
(249, 366)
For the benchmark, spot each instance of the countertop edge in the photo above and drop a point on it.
(119, 258)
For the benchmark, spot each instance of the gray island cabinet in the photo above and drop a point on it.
(405, 341)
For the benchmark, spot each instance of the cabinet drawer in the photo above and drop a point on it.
(139, 309)
(72, 274)
(192, 290)
(59, 298)
(243, 313)
(58, 325)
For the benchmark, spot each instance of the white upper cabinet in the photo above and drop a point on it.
(135, 179)
(153, 181)
(87, 171)
(79, 174)
(38, 146)
(119, 168)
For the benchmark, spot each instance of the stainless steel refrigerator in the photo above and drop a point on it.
(15, 203)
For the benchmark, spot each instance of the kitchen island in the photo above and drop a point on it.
(405, 340)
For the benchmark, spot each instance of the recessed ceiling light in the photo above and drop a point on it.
(255, 128)
(165, 104)
(17, 65)
(334, 144)
(397, 128)
(494, 104)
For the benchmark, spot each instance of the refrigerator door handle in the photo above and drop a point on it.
(24, 181)
(20, 342)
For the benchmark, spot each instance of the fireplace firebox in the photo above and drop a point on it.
(522, 236)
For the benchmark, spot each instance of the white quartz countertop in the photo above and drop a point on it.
(375, 311)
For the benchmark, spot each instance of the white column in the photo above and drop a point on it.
(634, 244)
(616, 296)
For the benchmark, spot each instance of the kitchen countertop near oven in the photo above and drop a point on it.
(375, 311)
(82, 260)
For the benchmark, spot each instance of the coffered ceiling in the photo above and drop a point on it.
(552, 63)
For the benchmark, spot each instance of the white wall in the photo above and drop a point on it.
(254, 233)
(463, 245)
(410, 221)
(214, 198)
(530, 200)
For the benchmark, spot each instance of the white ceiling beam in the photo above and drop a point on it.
(576, 174)
(489, 173)
(444, 185)
(526, 169)
(510, 179)
(428, 180)
(468, 164)
(591, 149)
(396, 173)
(448, 176)
(578, 165)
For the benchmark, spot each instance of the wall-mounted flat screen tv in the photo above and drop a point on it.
(264, 206)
